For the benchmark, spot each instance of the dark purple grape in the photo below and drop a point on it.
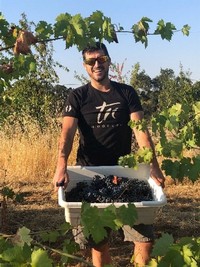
(108, 189)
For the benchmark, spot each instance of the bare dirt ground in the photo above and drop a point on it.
(40, 211)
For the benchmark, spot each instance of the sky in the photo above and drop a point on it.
(180, 51)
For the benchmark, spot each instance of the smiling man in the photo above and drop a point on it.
(101, 110)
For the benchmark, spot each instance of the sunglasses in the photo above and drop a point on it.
(92, 61)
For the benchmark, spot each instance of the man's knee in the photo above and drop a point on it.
(101, 247)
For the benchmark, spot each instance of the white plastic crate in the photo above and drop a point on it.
(146, 210)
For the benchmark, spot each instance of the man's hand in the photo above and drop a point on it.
(60, 179)
(157, 175)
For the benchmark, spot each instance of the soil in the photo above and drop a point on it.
(40, 211)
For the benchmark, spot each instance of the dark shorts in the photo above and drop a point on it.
(138, 233)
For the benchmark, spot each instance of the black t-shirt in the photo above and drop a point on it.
(103, 122)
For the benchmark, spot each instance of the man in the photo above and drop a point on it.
(101, 110)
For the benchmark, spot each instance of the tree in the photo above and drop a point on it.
(143, 84)
(173, 89)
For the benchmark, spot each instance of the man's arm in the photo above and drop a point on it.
(144, 140)
(69, 127)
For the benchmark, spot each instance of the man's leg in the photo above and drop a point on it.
(101, 255)
(142, 236)
(142, 252)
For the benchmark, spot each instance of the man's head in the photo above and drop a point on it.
(92, 48)
(96, 61)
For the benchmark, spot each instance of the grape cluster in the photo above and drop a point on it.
(108, 189)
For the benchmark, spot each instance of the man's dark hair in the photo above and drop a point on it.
(95, 47)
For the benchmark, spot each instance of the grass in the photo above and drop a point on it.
(30, 157)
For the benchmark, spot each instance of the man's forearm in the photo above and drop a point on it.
(64, 151)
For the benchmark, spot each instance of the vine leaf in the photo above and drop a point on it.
(127, 215)
(93, 218)
(22, 236)
(61, 25)
(15, 255)
(140, 31)
(162, 245)
(195, 169)
(50, 236)
(186, 29)
(40, 258)
(196, 108)
(44, 30)
(165, 30)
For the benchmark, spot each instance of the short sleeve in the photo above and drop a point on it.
(72, 105)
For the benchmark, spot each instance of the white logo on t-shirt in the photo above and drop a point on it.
(105, 110)
(68, 108)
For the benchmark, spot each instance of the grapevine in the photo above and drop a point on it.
(21, 249)
(179, 133)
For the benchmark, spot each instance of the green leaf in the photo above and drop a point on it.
(173, 149)
(196, 108)
(12, 254)
(172, 123)
(144, 155)
(44, 30)
(4, 245)
(95, 22)
(64, 228)
(51, 236)
(109, 31)
(171, 168)
(153, 263)
(186, 30)
(165, 30)
(62, 25)
(140, 31)
(187, 135)
(78, 24)
(90, 227)
(127, 215)
(194, 172)
(172, 258)
(140, 125)
(187, 253)
(23, 236)
(93, 218)
(185, 167)
(3, 26)
(128, 160)
(40, 258)
(108, 217)
(69, 247)
(162, 245)
(175, 110)
(26, 252)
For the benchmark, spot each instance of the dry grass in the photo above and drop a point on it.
(30, 158)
